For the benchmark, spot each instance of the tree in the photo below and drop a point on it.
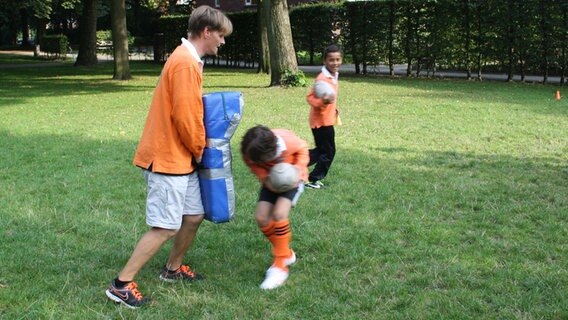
(411, 31)
(25, 24)
(281, 46)
(23, 13)
(563, 26)
(172, 6)
(87, 55)
(264, 56)
(545, 29)
(391, 30)
(467, 36)
(120, 40)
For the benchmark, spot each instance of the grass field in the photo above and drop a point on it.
(13, 59)
(446, 200)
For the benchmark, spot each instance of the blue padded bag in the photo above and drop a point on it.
(222, 115)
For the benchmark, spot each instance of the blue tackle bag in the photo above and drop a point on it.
(222, 115)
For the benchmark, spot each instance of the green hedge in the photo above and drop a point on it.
(315, 26)
(240, 47)
(513, 37)
(57, 45)
(172, 29)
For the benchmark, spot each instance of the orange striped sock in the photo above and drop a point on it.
(280, 240)
(268, 229)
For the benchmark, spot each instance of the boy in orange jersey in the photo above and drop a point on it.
(171, 144)
(262, 148)
(323, 116)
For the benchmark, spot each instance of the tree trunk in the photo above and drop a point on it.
(391, 37)
(479, 40)
(511, 38)
(564, 44)
(467, 36)
(281, 46)
(40, 32)
(418, 38)
(119, 40)
(407, 43)
(544, 20)
(25, 28)
(172, 6)
(264, 55)
(364, 43)
(87, 55)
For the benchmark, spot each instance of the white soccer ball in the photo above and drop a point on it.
(283, 177)
(323, 88)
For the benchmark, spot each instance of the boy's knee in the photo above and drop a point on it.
(262, 219)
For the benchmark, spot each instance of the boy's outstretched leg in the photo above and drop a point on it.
(279, 235)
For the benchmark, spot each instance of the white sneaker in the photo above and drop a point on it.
(290, 260)
(315, 185)
(275, 277)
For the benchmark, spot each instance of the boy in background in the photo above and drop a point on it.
(263, 148)
(323, 116)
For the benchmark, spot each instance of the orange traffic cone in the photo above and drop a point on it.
(557, 95)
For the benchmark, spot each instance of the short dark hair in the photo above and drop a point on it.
(259, 144)
(331, 49)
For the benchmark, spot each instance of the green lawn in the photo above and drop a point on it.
(446, 200)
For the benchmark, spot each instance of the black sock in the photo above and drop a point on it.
(120, 284)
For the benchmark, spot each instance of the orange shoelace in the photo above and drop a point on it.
(133, 287)
(185, 269)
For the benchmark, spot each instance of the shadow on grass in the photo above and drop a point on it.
(18, 59)
(103, 68)
(67, 80)
(64, 80)
(536, 98)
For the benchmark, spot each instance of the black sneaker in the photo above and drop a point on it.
(182, 273)
(129, 296)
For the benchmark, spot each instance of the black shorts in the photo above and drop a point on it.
(292, 195)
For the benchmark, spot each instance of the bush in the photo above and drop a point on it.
(57, 44)
(304, 58)
(104, 37)
(293, 79)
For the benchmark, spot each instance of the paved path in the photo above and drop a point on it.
(399, 70)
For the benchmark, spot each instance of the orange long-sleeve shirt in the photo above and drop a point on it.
(294, 151)
(323, 114)
(174, 132)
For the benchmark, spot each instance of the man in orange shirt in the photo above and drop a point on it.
(263, 148)
(171, 144)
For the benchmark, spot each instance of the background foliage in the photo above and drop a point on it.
(55, 44)
(475, 36)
